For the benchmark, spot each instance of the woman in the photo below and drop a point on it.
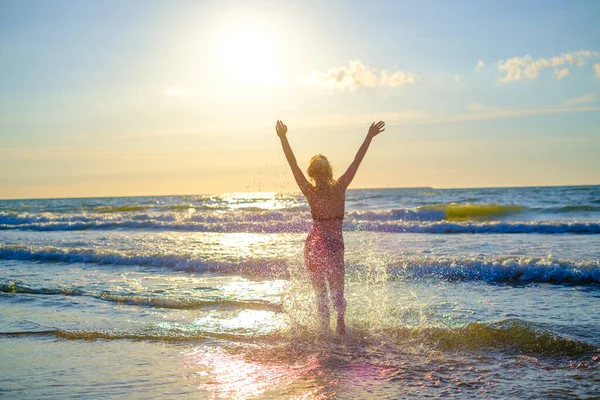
(324, 248)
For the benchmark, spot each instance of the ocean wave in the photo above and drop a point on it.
(264, 268)
(529, 227)
(12, 287)
(184, 334)
(147, 300)
(191, 303)
(510, 336)
(572, 209)
(116, 209)
(474, 212)
(393, 221)
(495, 269)
(499, 269)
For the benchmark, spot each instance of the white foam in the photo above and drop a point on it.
(275, 221)
(490, 269)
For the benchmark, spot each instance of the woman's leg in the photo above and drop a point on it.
(314, 262)
(335, 277)
(318, 281)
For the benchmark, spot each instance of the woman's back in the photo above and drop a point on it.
(327, 206)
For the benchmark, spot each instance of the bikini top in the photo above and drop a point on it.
(336, 218)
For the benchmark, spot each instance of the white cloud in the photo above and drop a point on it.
(456, 78)
(519, 68)
(597, 69)
(588, 98)
(561, 73)
(356, 75)
(480, 64)
(475, 107)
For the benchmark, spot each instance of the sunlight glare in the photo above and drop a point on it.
(247, 55)
(255, 200)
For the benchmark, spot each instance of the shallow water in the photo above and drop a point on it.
(494, 296)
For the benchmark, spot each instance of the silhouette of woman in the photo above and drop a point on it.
(324, 248)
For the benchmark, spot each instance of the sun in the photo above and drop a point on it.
(247, 54)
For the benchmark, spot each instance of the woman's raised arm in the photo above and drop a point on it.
(374, 130)
(301, 180)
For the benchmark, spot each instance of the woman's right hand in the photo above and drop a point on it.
(280, 128)
(376, 128)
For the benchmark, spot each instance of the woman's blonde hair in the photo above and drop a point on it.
(320, 171)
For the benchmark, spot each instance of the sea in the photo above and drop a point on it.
(487, 293)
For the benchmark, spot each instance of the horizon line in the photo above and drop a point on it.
(270, 191)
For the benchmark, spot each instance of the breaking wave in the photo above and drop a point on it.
(457, 219)
(511, 336)
(149, 300)
(499, 269)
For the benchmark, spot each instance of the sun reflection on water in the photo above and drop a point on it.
(262, 374)
(245, 244)
(247, 322)
(236, 378)
(258, 200)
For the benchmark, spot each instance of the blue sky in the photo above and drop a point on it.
(156, 97)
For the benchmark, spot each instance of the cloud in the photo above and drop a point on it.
(597, 69)
(456, 78)
(480, 64)
(520, 68)
(588, 98)
(561, 73)
(475, 107)
(356, 76)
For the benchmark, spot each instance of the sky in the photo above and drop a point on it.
(145, 97)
